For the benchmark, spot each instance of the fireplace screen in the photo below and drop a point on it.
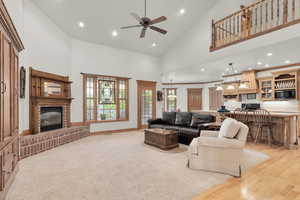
(51, 118)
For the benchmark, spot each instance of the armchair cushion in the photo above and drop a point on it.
(220, 143)
(183, 118)
(209, 134)
(229, 128)
(169, 117)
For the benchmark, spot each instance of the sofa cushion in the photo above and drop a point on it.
(157, 126)
(168, 127)
(169, 117)
(183, 118)
(189, 131)
(229, 128)
(173, 128)
(198, 119)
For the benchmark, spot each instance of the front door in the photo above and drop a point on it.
(194, 99)
(146, 102)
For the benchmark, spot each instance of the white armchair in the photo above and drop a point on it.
(213, 152)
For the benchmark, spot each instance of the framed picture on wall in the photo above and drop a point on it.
(22, 82)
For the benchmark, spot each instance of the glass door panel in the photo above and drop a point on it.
(146, 106)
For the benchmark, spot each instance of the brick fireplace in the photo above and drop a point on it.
(50, 102)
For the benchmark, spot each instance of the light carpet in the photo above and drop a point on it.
(114, 167)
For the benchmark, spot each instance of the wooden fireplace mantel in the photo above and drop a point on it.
(59, 95)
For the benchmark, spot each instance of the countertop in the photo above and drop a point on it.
(273, 113)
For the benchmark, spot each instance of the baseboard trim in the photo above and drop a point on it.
(113, 131)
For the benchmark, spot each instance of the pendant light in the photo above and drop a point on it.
(171, 95)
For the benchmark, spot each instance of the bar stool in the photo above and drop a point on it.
(244, 117)
(263, 120)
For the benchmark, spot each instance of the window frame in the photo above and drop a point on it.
(95, 98)
(167, 100)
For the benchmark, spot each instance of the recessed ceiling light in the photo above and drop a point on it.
(269, 54)
(259, 63)
(81, 24)
(182, 11)
(154, 44)
(223, 74)
(287, 61)
(235, 71)
(267, 65)
(250, 68)
(202, 70)
(114, 33)
(227, 69)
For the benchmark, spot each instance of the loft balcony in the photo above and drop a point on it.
(259, 18)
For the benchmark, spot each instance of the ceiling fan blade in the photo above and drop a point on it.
(137, 17)
(158, 20)
(143, 33)
(134, 26)
(162, 31)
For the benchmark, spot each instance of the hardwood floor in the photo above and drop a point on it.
(275, 179)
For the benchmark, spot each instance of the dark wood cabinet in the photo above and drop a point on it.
(10, 46)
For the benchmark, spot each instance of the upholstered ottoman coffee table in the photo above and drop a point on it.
(161, 138)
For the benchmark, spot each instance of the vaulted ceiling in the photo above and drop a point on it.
(101, 17)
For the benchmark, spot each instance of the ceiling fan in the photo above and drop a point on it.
(146, 23)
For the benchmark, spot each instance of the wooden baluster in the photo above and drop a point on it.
(272, 13)
(234, 27)
(256, 19)
(267, 16)
(238, 25)
(293, 9)
(261, 18)
(218, 34)
(278, 12)
(213, 37)
(285, 11)
(230, 29)
(223, 34)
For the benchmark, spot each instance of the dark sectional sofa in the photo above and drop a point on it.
(187, 124)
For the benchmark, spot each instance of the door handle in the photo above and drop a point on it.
(3, 87)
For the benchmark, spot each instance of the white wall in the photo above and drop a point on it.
(103, 60)
(49, 49)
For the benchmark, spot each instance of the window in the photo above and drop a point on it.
(171, 99)
(105, 98)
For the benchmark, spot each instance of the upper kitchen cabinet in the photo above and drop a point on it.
(286, 84)
(248, 83)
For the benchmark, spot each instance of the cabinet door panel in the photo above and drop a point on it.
(7, 100)
(15, 96)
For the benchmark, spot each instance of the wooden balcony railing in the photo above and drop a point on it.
(260, 18)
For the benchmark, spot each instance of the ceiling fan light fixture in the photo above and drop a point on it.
(145, 23)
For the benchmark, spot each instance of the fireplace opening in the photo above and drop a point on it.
(51, 118)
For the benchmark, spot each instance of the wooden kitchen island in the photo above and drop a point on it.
(285, 130)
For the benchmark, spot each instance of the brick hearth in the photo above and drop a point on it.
(34, 144)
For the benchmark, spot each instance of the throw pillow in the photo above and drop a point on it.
(230, 128)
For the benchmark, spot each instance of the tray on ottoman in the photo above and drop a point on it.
(161, 138)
